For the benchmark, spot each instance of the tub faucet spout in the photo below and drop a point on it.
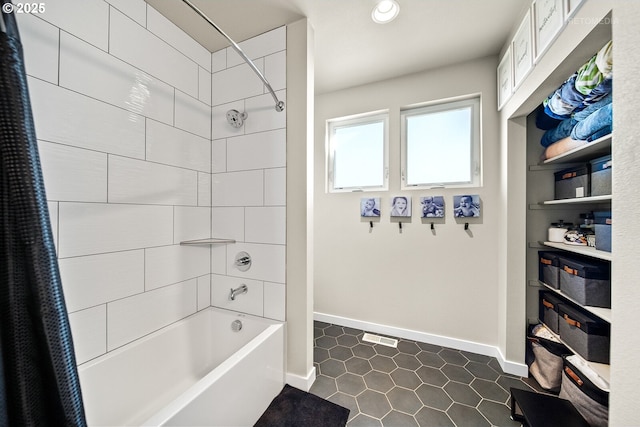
(243, 289)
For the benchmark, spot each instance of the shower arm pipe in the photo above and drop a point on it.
(279, 104)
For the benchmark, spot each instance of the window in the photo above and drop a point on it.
(441, 145)
(358, 153)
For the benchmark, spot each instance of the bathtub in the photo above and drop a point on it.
(196, 372)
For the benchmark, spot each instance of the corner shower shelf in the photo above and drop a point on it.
(211, 241)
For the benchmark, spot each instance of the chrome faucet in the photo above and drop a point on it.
(242, 289)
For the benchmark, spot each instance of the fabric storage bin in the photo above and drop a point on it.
(584, 333)
(586, 280)
(548, 268)
(601, 176)
(546, 358)
(603, 230)
(573, 182)
(548, 311)
(588, 393)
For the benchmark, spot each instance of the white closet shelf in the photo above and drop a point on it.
(584, 152)
(209, 241)
(602, 312)
(582, 250)
(579, 200)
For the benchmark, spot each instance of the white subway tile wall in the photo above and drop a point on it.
(98, 279)
(189, 222)
(151, 54)
(70, 118)
(268, 149)
(248, 196)
(73, 174)
(89, 328)
(167, 31)
(131, 318)
(251, 302)
(137, 156)
(275, 184)
(42, 56)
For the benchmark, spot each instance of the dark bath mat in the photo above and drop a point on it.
(297, 408)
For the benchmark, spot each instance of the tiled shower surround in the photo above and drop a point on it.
(137, 157)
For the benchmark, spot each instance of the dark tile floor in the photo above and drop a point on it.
(415, 384)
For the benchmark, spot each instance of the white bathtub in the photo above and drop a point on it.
(196, 372)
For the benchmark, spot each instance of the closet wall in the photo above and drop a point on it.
(625, 340)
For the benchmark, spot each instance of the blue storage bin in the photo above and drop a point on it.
(603, 230)
(601, 169)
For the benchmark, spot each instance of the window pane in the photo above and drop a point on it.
(358, 152)
(440, 146)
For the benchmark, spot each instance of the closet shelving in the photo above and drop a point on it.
(595, 149)
(582, 250)
(601, 369)
(575, 44)
(579, 200)
(584, 153)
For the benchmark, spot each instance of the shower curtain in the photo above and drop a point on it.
(39, 383)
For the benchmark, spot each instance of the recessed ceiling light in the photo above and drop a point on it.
(385, 11)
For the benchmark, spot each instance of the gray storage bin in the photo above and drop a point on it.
(548, 309)
(586, 280)
(588, 395)
(573, 182)
(601, 176)
(548, 268)
(603, 230)
(584, 333)
(546, 358)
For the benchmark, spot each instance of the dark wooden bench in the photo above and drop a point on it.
(543, 410)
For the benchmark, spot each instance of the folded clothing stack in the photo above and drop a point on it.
(581, 108)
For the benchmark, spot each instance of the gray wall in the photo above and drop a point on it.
(431, 285)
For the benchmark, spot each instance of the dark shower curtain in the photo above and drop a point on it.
(38, 377)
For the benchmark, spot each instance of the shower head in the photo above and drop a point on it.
(236, 118)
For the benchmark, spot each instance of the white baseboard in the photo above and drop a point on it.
(303, 383)
(508, 367)
(513, 368)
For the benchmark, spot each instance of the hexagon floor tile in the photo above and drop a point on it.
(416, 384)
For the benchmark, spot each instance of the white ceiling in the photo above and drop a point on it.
(350, 49)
